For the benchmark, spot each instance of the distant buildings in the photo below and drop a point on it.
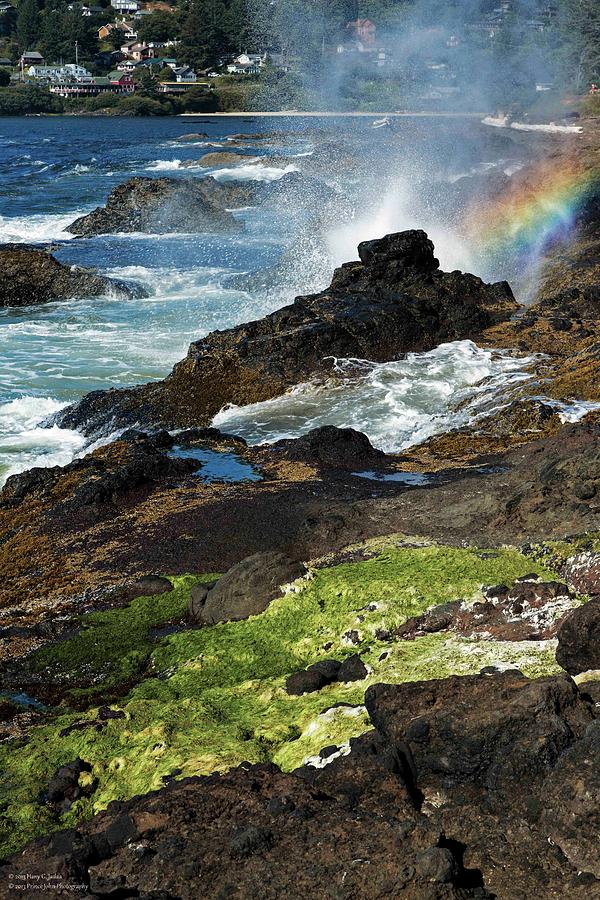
(128, 7)
(114, 83)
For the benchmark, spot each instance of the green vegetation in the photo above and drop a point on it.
(113, 647)
(17, 101)
(216, 696)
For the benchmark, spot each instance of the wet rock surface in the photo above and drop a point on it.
(157, 206)
(29, 276)
(531, 610)
(392, 301)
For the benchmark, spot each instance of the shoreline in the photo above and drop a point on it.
(294, 113)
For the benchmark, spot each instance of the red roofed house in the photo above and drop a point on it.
(363, 30)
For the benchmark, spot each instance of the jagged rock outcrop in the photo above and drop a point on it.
(29, 275)
(157, 206)
(394, 300)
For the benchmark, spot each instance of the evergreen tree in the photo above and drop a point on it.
(203, 36)
(28, 24)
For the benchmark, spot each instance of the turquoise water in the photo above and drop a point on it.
(53, 170)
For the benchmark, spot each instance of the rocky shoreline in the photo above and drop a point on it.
(309, 667)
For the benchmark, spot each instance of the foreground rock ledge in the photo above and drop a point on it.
(445, 799)
(394, 300)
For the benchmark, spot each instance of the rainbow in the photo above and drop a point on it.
(538, 210)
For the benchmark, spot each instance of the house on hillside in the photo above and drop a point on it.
(123, 28)
(247, 64)
(127, 7)
(31, 58)
(59, 74)
(363, 31)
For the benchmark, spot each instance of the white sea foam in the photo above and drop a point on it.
(253, 172)
(548, 128)
(163, 165)
(574, 411)
(36, 228)
(397, 404)
(24, 443)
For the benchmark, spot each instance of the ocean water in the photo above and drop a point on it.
(53, 170)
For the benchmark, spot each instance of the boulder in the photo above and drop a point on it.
(571, 795)
(313, 678)
(325, 672)
(337, 448)
(481, 733)
(352, 669)
(245, 590)
(393, 301)
(192, 137)
(29, 276)
(579, 639)
(65, 785)
(222, 159)
(157, 206)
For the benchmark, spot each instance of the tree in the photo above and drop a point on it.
(580, 32)
(146, 83)
(28, 24)
(4, 77)
(62, 28)
(159, 26)
(203, 36)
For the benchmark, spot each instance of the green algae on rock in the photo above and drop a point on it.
(218, 697)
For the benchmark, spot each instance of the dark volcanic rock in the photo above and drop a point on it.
(158, 206)
(254, 832)
(314, 677)
(352, 669)
(338, 448)
(481, 733)
(246, 590)
(98, 478)
(571, 797)
(471, 787)
(29, 275)
(393, 301)
(579, 639)
(65, 787)
(582, 572)
(325, 672)
(531, 610)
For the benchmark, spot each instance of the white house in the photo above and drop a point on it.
(183, 74)
(69, 72)
(126, 6)
(247, 64)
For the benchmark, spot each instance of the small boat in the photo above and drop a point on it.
(382, 123)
